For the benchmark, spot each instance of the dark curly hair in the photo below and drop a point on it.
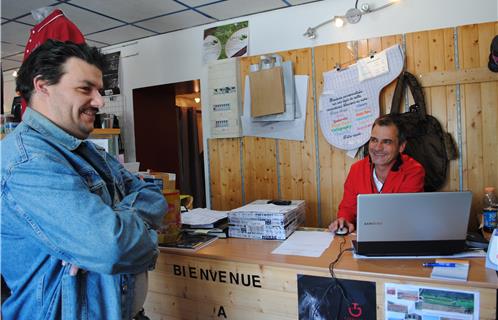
(391, 120)
(47, 61)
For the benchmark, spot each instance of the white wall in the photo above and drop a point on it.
(9, 90)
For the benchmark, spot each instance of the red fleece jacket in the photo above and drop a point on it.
(407, 175)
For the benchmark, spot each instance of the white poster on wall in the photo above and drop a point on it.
(421, 302)
(224, 99)
(227, 41)
(348, 106)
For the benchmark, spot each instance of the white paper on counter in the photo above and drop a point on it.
(306, 244)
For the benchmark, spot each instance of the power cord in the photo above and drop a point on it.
(336, 284)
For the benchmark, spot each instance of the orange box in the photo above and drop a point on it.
(172, 223)
(169, 179)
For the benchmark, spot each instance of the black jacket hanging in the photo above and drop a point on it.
(427, 142)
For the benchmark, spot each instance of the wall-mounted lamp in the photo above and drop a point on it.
(351, 16)
(197, 99)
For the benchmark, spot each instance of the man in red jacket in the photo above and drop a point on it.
(385, 170)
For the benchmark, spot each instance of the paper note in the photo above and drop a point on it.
(305, 243)
(373, 66)
(459, 272)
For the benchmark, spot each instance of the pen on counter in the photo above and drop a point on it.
(439, 264)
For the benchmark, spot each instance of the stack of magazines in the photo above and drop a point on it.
(189, 242)
(263, 219)
(205, 221)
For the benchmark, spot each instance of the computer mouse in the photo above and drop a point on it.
(476, 240)
(342, 231)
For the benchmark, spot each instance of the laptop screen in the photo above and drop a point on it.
(426, 223)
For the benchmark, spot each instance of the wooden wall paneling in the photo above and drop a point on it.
(214, 174)
(175, 294)
(187, 295)
(426, 52)
(437, 98)
(374, 45)
(453, 183)
(326, 57)
(461, 98)
(489, 100)
(225, 178)
(472, 111)
(297, 160)
(421, 54)
(340, 161)
(260, 175)
(259, 163)
(386, 95)
(332, 169)
(433, 51)
(231, 179)
(409, 63)
(347, 57)
(238, 302)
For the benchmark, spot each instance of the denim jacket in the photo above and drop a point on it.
(64, 199)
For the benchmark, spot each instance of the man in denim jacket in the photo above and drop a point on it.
(77, 228)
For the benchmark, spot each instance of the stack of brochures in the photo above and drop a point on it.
(263, 220)
(205, 221)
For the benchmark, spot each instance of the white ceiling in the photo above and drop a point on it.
(108, 22)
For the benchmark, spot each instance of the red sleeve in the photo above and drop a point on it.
(413, 177)
(347, 207)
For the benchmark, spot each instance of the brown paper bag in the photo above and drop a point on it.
(267, 92)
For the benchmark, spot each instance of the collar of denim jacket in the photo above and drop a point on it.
(44, 126)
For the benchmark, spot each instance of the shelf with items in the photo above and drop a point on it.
(109, 134)
(105, 132)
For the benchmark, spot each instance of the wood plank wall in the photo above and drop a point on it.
(249, 168)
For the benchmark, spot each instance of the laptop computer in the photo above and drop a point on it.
(412, 224)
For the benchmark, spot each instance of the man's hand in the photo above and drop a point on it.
(73, 270)
(339, 223)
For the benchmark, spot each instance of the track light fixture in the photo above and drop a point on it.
(351, 16)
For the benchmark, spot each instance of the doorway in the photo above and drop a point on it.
(168, 134)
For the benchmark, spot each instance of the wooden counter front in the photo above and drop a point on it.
(241, 279)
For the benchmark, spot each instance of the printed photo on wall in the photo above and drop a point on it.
(227, 41)
(111, 74)
(425, 303)
(328, 298)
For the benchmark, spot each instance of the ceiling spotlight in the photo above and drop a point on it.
(338, 22)
(352, 16)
